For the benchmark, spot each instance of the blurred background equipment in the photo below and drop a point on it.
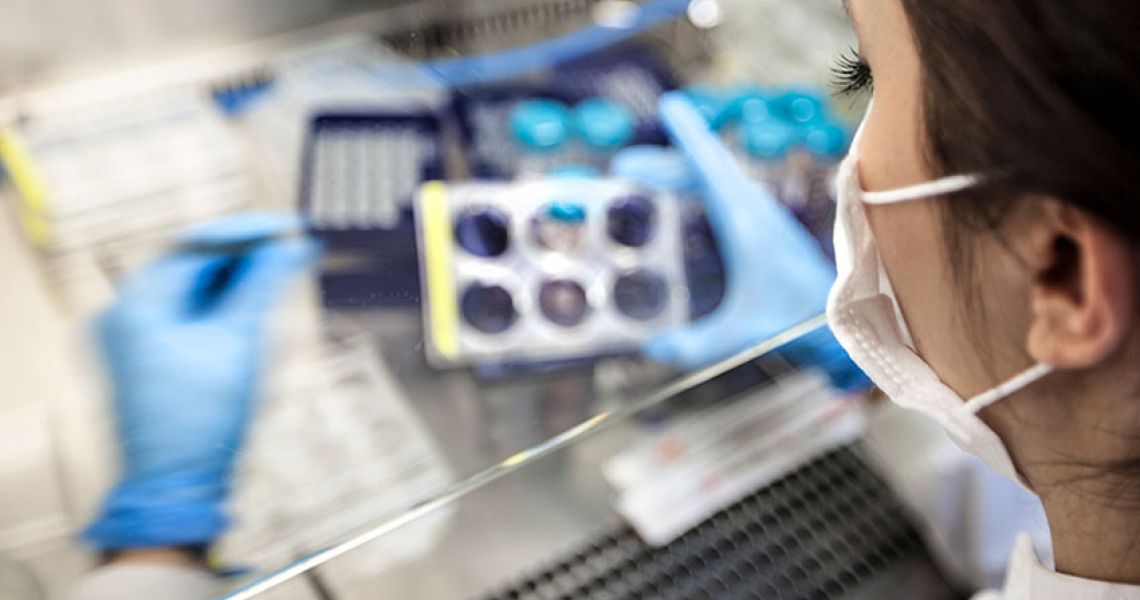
(371, 471)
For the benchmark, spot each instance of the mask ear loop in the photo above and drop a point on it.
(1014, 385)
(942, 187)
(938, 187)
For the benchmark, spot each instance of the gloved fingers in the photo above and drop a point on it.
(655, 167)
(695, 345)
(731, 192)
(166, 285)
(243, 228)
(262, 275)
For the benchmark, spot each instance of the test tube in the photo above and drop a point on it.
(767, 145)
(540, 128)
(559, 226)
(604, 126)
(826, 144)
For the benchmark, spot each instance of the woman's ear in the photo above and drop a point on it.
(1082, 294)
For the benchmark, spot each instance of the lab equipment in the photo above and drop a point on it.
(588, 267)
(813, 166)
(604, 124)
(715, 105)
(801, 106)
(763, 245)
(336, 449)
(601, 101)
(540, 131)
(790, 141)
(105, 182)
(766, 146)
(559, 51)
(830, 529)
(180, 432)
(360, 173)
(685, 472)
(540, 124)
(868, 321)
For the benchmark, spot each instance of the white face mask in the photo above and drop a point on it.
(864, 315)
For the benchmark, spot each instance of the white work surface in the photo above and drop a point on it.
(50, 401)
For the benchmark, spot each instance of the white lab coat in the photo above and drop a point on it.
(1027, 579)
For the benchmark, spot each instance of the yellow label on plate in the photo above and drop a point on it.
(442, 300)
(28, 183)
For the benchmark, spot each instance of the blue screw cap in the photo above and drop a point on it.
(802, 106)
(752, 105)
(604, 124)
(826, 140)
(770, 140)
(714, 105)
(566, 212)
(540, 124)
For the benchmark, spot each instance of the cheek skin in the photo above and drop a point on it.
(911, 245)
(909, 236)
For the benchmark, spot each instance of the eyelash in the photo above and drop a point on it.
(851, 74)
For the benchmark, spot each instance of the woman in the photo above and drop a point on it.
(996, 239)
(1022, 274)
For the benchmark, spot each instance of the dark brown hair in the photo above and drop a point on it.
(1042, 95)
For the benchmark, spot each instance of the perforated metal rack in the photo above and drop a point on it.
(465, 32)
(831, 530)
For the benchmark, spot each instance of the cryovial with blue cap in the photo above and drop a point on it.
(826, 142)
(751, 105)
(560, 226)
(716, 106)
(540, 128)
(767, 145)
(602, 127)
(803, 107)
(810, 172)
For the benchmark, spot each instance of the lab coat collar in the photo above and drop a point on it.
(1028, 579)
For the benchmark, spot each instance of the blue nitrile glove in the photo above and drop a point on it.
(183, 344)
(777, 274)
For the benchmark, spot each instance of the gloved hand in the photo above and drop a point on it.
(183, 344)
(777, 275)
